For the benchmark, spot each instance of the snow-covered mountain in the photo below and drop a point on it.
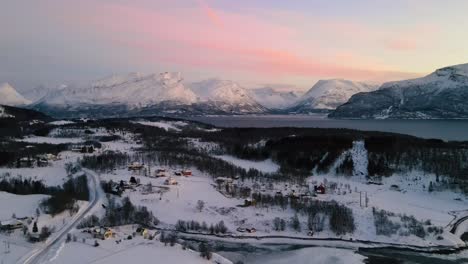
(273, 99)
(441, 94)
(37, 93)
(139, 94)
(227, 96)
(9, 96)
(133, 90)
(329, 94)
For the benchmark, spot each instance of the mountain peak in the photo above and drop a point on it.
(9, 96)
(329, 94)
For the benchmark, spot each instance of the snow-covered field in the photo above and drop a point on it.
(51, 140)
(166, 125)
(405, 194)
(20, 205)
(136, 250)
(267, 166)
(61, 122)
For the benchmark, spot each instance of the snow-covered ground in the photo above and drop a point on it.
(178, 202)
(61, 122)
(137, 250)
(166, 125)
(267, 166)
(51, 140)
(20, 205)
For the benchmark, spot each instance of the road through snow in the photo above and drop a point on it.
(43, 253)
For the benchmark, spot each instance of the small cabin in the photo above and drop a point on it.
(11, 224)
(103, 233)
(320, 189)
(25, 162)
(135, 166)
(160, 173)
(251, 230)
(186, 173)
(42, 162)
(249, 202)
(143, 232)
(170, 181)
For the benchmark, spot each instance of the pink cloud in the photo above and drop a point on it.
(200, 36)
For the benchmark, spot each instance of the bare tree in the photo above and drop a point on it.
(200, 205)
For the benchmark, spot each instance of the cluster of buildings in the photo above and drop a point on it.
(105, 233)
(38, 160)
(159, 173)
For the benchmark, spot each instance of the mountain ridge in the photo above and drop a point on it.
(442, 94)
(326, 95)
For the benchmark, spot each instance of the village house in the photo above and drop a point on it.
(135, 166)
(251, 230)
(25, 162)
(170, 181)
(160, 173)
(102, 233)
(319, 189)
(11, 224)
(50, 157)
(144, 232)
(42, 162)
(249, 202)
(186, 173)
(82, 148)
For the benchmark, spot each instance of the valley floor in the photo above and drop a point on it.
(402, 195)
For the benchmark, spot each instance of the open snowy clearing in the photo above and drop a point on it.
(135, 251)
(267, 166)
(61, 122)
(51, 140)
(166, 125)
(20, 205)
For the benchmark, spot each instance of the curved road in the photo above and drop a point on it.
(457, 223)
(38, 255)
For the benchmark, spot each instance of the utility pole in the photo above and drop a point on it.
(360, 199)
(367, 200)
(7, 247)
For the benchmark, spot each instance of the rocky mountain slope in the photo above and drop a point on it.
(273, 99)
(227, 96)
(442, 94)
(329, 94)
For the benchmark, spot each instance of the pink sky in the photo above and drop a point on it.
(258, 43)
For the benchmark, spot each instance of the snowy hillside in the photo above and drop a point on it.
(37, 93)
(272, 99)
(329, 94)
(226, 95)
(9, 96)
(441, 94)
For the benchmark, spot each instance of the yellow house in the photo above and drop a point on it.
(145, 233)
(109, 234)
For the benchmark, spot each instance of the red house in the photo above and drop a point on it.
(187, 173)
(320, 189)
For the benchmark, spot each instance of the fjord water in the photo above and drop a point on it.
(440, 129)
